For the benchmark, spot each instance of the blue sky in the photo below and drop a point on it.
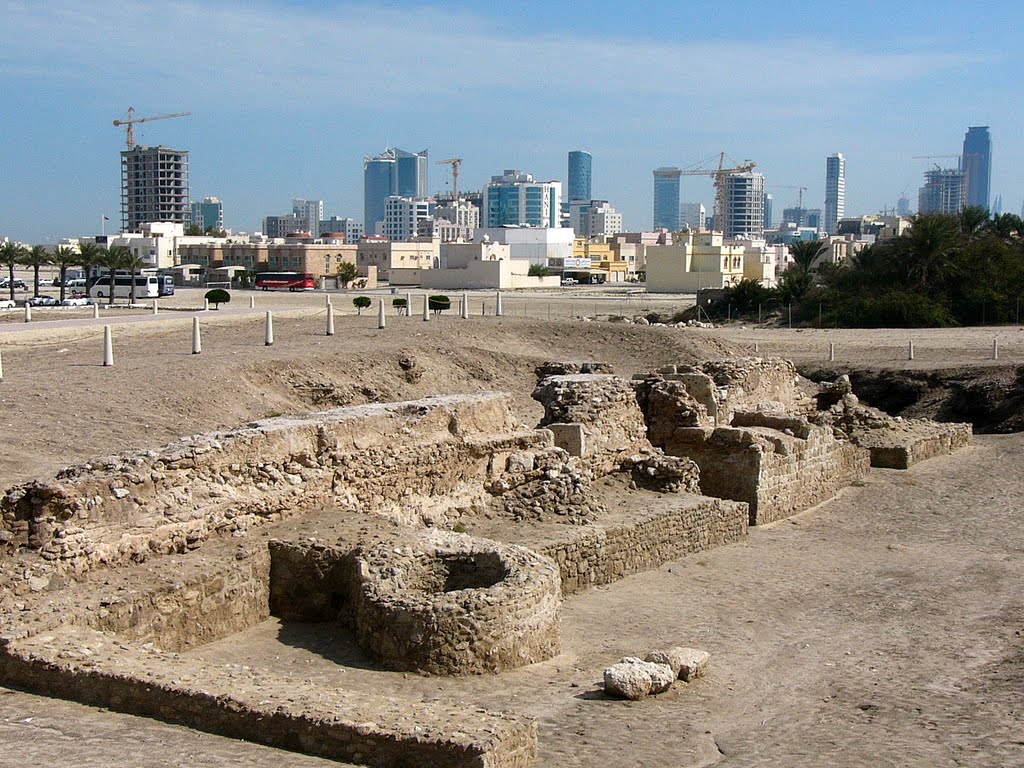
(287, 97)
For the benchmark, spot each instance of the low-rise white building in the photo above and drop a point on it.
(707, 260)
(535, 245)
(473, 266)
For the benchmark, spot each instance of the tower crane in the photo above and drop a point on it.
(717, 174)
(454, 162)
(130, 122)
(800, 196)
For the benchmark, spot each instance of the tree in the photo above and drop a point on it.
(804, 252)
(89, 257)
(347, 272)
(35, 258)
(537, 270)
(361, 303)
(974, 219)
(133, 263)
(439, 303)
(64, 257)
(10, 254)
(399, 304)
(194, 230)
(747, 295)
(928, 252)
(114, 258)
(217, 297)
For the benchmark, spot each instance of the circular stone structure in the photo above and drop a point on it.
(445, 603)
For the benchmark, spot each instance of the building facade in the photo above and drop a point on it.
(516, 199)
(835, 191)
(208, 214)
(743, 214)
(393, 172)
(943, 191)
(692, 216)
(283, 226)
(666, 199)
(154, 186)
(579, 178)
(977, 166)
(310, 212)
(402, 216)
(352, 229)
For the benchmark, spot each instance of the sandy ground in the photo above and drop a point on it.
(881, 628)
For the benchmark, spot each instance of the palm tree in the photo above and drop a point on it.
(804, 252)
(931, 251)
(973, 220)
(133, 263)
(10, 254)
(35, 258)
(64, 257)
(89, 256)
(114, 258)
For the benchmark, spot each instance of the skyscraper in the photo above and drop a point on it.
(154, 186)
(208, 214)
(692, 216)
(943, 191)
(768, 200)
(977, 166)
(393, 172)
(835, 191)
(666, 199)
(310, 212)
(579, 175)
(514, 198)
(743, 214)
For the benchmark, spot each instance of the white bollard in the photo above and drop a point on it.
(910, 350)
(252, 302)
(197, 343)
(408, 304)
(381, 318)
(156, 307)
(995, 349)
(108, 347)
(1, 367)
(426, 308)
(757, 347)
(95, 311)
(327, 296)
(465, 307)
(330, 319)
(269, 340)
(831, 352)
(28, 312)
(497, 309)
(206, 305)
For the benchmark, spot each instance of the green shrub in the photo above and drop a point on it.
(361, 303)
(218, 296)
(439, 303)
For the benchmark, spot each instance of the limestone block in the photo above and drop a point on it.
(686, 663)
(635, 679)
(570, 438)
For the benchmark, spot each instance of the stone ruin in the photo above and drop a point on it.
(454, 536)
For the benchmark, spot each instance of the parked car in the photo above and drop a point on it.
(75, 301)
(42, 301)
(6, 304)
(569, 281)
(18, 283)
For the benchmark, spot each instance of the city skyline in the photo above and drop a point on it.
(261, 75)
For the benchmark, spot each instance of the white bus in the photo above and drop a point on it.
(146, 287)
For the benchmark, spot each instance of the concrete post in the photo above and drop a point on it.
(206, 305)
(408, 304)
(1, 367)
(108, 347)
(28, 312)
(465, 307)
(426, 308)
(330, 319)
(269, 341)
(156, 307)
(381, 318)
(197, 344)
(327, 299)
(497, 310)
(95, 311)
(995, 349)
(910, 350)
(252, 302)
(756, 348)
(831, 352)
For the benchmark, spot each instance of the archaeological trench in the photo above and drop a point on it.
(120, 568)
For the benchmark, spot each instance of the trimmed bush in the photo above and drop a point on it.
(361, 303)
(218, 296)
(439, 303)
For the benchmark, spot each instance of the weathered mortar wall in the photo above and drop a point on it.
(903, 448)
(777, 474)
(283, 712)
(416, 462)
(593, 556)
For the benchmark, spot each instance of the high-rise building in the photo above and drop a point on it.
(594, 218)
(154, 186)
(402, 216)
(666, 199)
(903, 206)
(310, 212)
(943, 191)
(835, 191)
(393, 172)
(352, 229)
(768, 200)
(743, 214)
(579, 175)
(282, 226)
(208, 214)
(514, 198)
(977, 166)
(692, 216)
(997, 206)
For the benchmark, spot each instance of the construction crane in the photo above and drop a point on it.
(786, 186)
(717, 174)
(132, 120)
(454, 162)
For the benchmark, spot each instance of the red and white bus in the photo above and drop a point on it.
(279, 281)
